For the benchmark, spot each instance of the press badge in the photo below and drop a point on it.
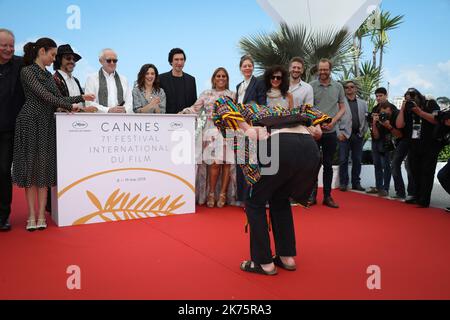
(416, 131)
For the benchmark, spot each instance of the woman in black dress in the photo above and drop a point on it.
(34, 159)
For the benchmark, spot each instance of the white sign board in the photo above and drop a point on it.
(115, 167)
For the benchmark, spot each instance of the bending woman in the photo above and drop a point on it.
(297, 171)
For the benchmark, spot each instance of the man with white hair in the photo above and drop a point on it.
(112, 92)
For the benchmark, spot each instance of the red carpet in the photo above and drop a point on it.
(197, 256)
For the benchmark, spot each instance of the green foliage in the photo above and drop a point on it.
(268, 49)
(367, 81)
(445, 154)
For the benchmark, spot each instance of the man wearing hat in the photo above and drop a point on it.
(67, 84)
(64, 65)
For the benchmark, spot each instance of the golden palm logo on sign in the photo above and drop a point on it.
(98, 205)
(123, 206)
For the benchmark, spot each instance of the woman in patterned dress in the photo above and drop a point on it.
(217, 155)
(34, 159)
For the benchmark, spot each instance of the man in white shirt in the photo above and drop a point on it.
(301, 91)
(112, 92)
(64, 65)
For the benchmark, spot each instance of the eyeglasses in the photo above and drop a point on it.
(111, 60)
(69, 58)
(279, 78)
(350, 87)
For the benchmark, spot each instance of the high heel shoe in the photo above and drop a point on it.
(222, 200)
(210, 200)
(41, 224)
(31, 225)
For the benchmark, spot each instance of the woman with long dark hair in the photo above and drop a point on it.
(148, 96)
(34, 160)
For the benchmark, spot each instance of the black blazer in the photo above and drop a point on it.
(62, 85)
(190, 93)
(256, 92)
(10, 109)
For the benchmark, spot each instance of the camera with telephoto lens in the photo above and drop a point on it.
(410, 103)
(441, 130)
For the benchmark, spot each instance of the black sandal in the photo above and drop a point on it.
(256, 268)
(277, 261)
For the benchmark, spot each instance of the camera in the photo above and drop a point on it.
(383, 117)
(409, 105)
(442, 115)
(442, 131)
(410, 102)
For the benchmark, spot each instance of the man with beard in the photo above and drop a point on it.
(300, 90)
(329, 98)
(64, 66)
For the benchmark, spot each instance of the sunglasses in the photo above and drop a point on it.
(111, 60)
(277, 78)
(350, 87)
(69, 58)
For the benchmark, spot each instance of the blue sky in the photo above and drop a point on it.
(209, 31)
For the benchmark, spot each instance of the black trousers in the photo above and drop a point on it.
(328, 143)
(299, 163)
(423, 160)
(6, 158)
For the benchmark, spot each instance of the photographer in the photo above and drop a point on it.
(444, 173)
(384, 131)
(417, 119)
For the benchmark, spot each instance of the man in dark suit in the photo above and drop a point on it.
(180, 87)
(11, 101)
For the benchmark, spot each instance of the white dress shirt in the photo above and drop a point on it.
(72, 86)
(302, 93)
(243, 89)
(93, 84)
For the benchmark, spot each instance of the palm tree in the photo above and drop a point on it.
(362, 32)
(380, 35)
(279, 47)
(367, 81)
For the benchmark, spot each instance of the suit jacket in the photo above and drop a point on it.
(255, 92)
(62, 85)
(344, 125)
(9, 110)
(190, 93)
